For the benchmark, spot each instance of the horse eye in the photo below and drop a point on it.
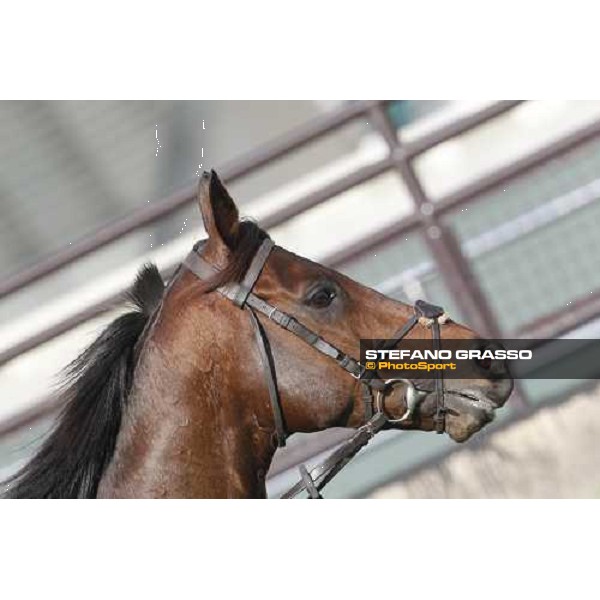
(322, 297)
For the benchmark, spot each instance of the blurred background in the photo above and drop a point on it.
(490, 209)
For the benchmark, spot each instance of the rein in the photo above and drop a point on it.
(374, 390)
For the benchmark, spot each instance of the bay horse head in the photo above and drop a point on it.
(189, 395)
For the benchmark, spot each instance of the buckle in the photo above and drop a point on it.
(362, 370)
(309, 483)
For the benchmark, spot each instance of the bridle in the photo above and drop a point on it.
(374, 390)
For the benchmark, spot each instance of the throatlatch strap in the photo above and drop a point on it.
(269, 371)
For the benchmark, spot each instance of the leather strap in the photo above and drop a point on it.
(322, 474)
(368, 400)
(266, 360)
(311, 338)
(401, 333)
(197, 265)
(440, 413)
(309, 484)
(253, 272)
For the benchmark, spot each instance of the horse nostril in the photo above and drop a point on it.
(493, 367)
(484, 363)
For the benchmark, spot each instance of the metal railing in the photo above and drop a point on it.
(427, 217)
(243, 165)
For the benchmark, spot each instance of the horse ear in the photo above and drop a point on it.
(219, 212)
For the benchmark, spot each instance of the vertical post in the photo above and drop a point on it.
(454, 268)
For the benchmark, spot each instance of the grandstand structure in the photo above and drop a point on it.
(490, 209)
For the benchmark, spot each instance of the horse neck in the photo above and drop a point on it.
(190, 430)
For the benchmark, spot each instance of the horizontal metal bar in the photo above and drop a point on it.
(45, 408)
(100, 238)
(373, 241)
(114, 302)
(559, 322)
(458, 127)
(518, 167)
(330, 190)
(294, 140)
(79, 318)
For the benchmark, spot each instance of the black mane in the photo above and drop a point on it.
(96, 386)
(72, 459)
